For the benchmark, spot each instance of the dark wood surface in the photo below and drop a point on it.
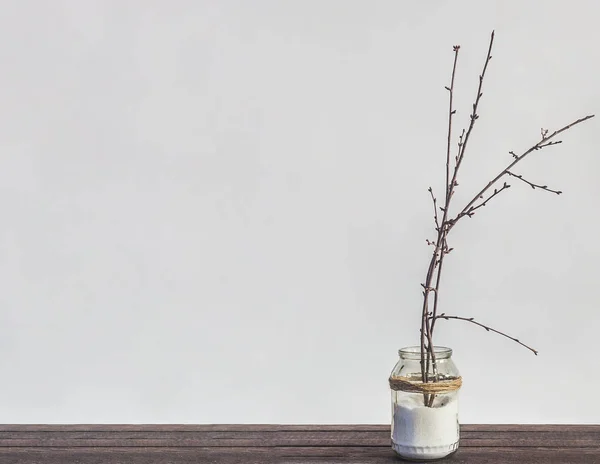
(305, 444)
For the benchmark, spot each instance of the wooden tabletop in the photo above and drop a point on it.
(299, 444)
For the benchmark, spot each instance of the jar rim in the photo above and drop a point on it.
(414, 352)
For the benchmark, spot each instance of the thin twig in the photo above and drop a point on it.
(470, 319)
(472, 209)
(533, 186)
(451, 112)
(435, 215)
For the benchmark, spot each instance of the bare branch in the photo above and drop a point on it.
(474, 116)
(436, 263)
(444, 223)
(544, 142)
(451, 184)
(470, 319)
(533, 186)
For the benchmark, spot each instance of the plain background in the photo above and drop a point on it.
(216, 211)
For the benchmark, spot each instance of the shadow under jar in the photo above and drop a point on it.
(425, 414)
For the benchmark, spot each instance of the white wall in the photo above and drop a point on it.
(216, 211)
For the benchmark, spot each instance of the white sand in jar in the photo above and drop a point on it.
(418, 426)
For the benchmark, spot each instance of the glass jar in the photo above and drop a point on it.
(425, 415)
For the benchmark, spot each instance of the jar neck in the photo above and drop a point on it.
(413, 353)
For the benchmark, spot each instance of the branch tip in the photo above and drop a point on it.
(472, 320)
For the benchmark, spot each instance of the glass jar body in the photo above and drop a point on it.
(425, 415)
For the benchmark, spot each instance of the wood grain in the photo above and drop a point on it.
(306, 444)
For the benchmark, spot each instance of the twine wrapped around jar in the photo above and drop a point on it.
(408, 384)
